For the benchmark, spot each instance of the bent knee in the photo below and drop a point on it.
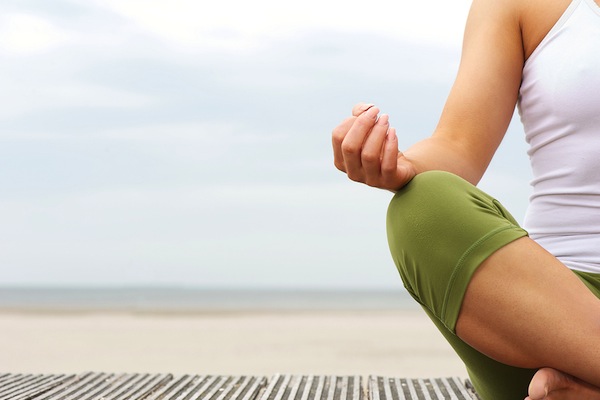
(436, 221)
(432, 198)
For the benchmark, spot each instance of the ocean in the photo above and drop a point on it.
(184, 299)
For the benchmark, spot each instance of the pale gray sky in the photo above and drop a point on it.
(188, 142)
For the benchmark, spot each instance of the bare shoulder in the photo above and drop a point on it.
(499, 36)
(537, 17)
(524, 21)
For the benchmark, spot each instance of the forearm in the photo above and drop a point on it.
(439, 153)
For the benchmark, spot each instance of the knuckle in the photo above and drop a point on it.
(351, 149)
(340, 131)
(369, 157)
(337, 135)
(388, 170)
(339, 165)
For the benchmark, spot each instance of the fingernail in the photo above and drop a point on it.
(383, 119)
(365, 107)
(392, 134)
(372, 112)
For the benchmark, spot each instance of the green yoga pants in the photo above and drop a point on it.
(440, 229)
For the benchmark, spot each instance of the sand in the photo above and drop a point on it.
(399, 343)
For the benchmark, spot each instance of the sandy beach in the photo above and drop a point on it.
(401, 343)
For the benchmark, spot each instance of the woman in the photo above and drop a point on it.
(521, 308)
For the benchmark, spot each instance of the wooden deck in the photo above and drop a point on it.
(110, 386)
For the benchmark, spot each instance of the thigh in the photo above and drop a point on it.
(459, 252)
(493, 380)
(440, 229)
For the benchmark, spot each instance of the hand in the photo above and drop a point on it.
(365, 147)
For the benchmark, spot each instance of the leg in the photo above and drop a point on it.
(447, 239)
(523, 307)
(440, 228)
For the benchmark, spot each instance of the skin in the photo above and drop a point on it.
(521, 281)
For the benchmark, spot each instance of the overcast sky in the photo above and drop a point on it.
(188, 142)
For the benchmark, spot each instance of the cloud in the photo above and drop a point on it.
(155, 142)
(22, 99)
(203, 235)
(25, 34)
(187, 24)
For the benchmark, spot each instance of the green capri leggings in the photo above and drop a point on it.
(440, 229)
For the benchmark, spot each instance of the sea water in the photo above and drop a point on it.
(199, 299)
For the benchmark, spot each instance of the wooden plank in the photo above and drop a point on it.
(68, 386)
(382, 388)
(309, 387)
(38, 386)
(247, 389)
(126, 386)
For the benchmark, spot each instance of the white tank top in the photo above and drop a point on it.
(559, 104)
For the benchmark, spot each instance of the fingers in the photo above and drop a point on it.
(372, 149)
(337, 137)
(365, 147)
(340, 132)
(360, 108)
(389, 158)
(353, 143)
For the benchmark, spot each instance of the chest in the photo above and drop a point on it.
(562, 75)
(538, 17)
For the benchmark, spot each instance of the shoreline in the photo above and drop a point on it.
(172, 299)
(196, 312)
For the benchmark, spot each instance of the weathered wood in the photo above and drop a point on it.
(382, 388)
(24, 387)
(113, 386)
(100, 386)
(310, 387)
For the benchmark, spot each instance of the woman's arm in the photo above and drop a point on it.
(473, 122)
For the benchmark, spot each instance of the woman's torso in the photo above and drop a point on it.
(559, 104)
